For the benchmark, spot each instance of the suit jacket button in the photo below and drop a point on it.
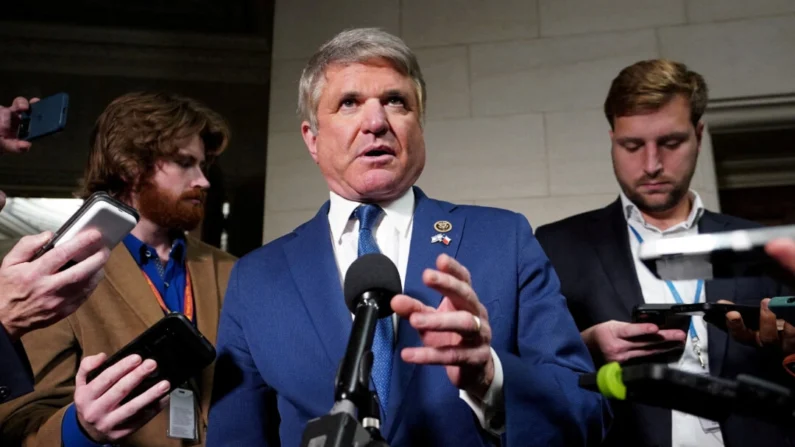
(4, 392)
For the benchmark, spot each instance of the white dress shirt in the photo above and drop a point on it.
(392, 233)
(687, 430)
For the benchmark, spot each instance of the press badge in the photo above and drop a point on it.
(182, 415)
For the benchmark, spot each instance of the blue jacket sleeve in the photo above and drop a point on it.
(71, 434)
(241, 412)
(543, 400)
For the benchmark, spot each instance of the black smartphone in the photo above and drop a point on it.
(114, 219)
(713, 313)
(660, 315)
(180, 350)
(45, 117)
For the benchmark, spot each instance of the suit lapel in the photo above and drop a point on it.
(611, 242)
(310, 256)
(124, 275)
(206, 298)
(422, 254)
(718, 289)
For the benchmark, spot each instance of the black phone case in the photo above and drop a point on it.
(180, 350)
(714, 313)
(96, 197)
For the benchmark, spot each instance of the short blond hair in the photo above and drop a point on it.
(352, 46)
(648, 85)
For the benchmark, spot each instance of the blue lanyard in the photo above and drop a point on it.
(674, 292)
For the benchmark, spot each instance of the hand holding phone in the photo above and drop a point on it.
(713, 313)
(99, 406)
(10, 120)
(768, 332)
(162, 358)
(35, 294)
(619, 341)
(45, 117)
(180, 350)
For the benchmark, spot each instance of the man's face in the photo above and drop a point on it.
(654, 155)
(369, 142)
(174, 196)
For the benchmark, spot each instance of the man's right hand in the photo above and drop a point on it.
(35, 294)
(618, 341)
(97, 403)
(9, 122)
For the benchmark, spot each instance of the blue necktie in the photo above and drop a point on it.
(383, 345)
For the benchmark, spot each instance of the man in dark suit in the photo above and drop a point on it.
(654, 109)
(509, 352)
(35, 294)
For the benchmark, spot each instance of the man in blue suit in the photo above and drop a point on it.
(471, 355)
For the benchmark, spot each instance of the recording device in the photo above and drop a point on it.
(370, 283)
(702, 395)
(111, 217)
(180, 350)
(739, 253)
(677, 316)
(45, 117)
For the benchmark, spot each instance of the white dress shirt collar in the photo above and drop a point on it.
(633, 214)
(398, 213)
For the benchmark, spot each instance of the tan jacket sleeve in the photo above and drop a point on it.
(35, 419)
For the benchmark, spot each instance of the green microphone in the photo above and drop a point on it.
(610, 382)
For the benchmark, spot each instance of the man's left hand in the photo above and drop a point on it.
(456, 334)
(770, 333)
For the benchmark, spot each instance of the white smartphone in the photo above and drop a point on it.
(739, 253)
(111, 217)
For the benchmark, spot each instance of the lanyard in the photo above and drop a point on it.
(675, 293)
(187, 307)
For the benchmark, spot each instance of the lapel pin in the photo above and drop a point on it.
(441, 238)
(442, 226)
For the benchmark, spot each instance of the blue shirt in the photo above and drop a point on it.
(169, 281)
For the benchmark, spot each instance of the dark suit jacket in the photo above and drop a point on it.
(16, 377)
(121, 307)
(285, 326)
(591, 254)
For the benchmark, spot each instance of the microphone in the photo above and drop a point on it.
(370, 283)
(703, 395)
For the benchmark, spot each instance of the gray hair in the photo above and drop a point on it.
(351, 46)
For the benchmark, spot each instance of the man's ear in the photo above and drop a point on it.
(699, 134)
(310, 139)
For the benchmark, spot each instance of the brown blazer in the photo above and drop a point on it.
(120, 309)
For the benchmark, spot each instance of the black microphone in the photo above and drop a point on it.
(370, 283)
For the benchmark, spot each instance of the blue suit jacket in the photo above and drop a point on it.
(284, 328)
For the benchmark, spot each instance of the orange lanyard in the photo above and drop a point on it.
(188, 303)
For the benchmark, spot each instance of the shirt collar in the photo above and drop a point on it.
(398, 213)
(632, 213)
(138, 249)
